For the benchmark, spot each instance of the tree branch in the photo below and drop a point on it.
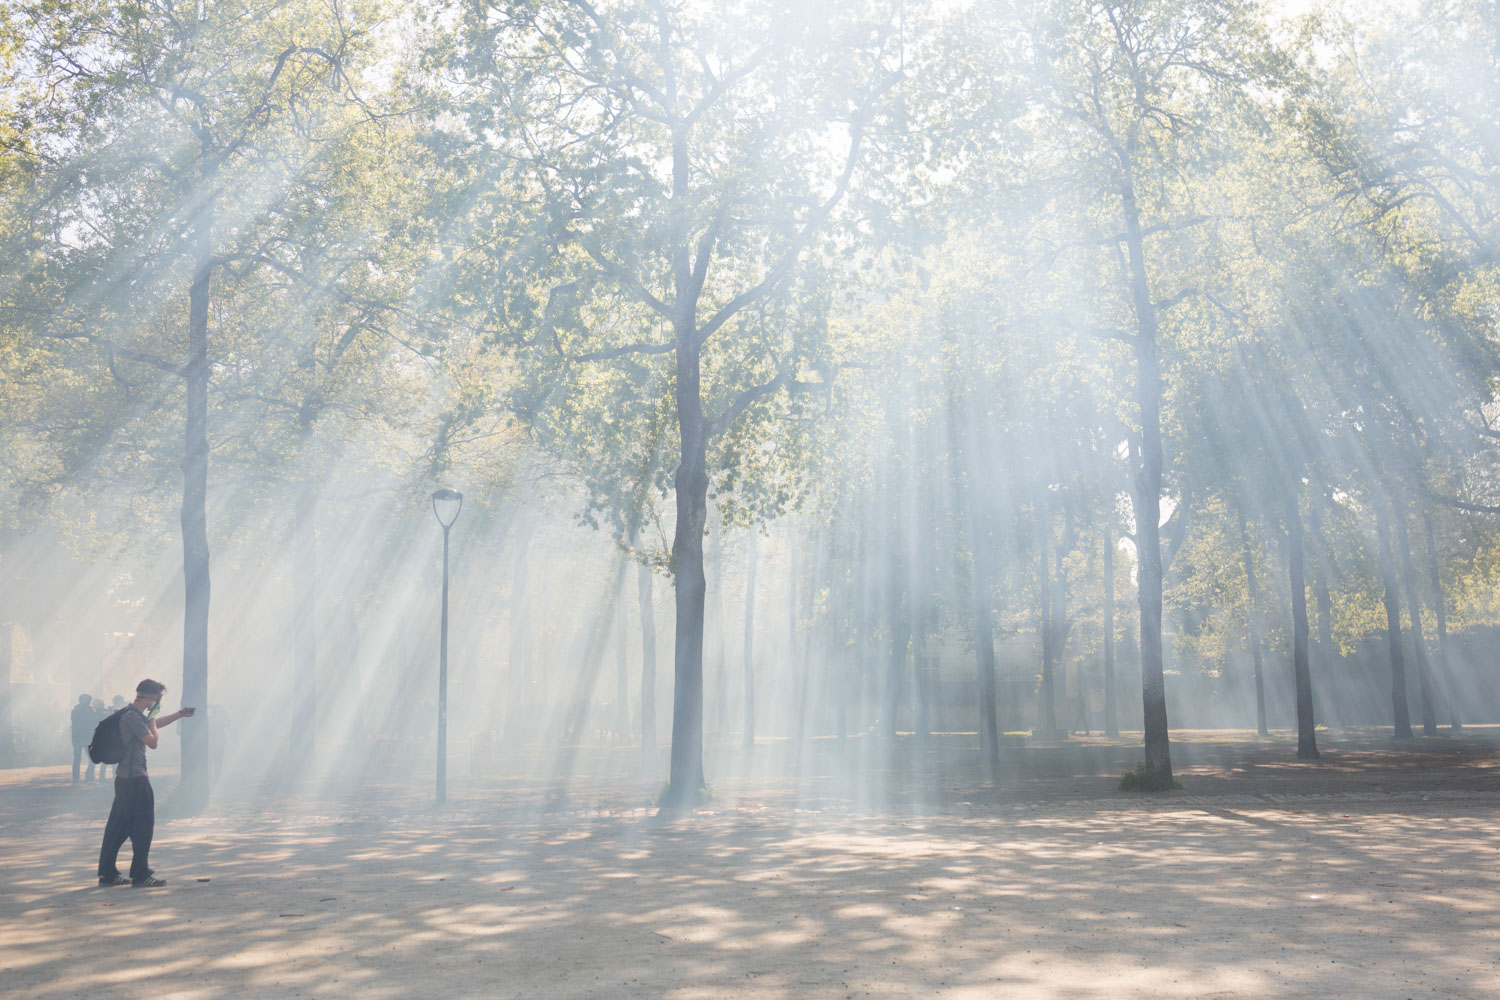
(1173, 532)
(622, 351)
(630, 281)
(1156, 230)
(113, 351)
(1472, 508)
(743, 402)
(783, 266)
(1177, 299)
(723, 84)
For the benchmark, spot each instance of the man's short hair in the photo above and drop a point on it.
(149, 688)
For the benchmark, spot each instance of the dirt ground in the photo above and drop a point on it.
(1371, 873)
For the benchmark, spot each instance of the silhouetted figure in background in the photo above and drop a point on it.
(1081, 718)
(84, 720)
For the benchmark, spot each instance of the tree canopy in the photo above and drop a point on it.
(1021, 308)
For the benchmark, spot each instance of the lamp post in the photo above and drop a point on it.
(446, 504)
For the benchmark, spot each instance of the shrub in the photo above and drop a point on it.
(1143, 780)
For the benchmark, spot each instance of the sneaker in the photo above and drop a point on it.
(149, 882)
(115, 879)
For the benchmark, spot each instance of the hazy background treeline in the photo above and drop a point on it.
(816, 370)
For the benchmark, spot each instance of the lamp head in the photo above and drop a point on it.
(446, 504)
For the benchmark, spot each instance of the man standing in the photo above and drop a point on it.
(84, 719)
(133, 814)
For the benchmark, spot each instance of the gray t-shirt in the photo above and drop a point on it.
(133, 731)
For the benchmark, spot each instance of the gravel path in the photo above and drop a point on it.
(1369, 874)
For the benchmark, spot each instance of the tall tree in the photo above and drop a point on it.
(1139, 91)
(1392, 600)
(166, 169)
(675, 178)
(1111, 722)
(1440, 611)
(1307, 738)
(1414, 607)
(748, 652)
(1252, 624)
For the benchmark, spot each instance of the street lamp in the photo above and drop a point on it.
(446, 504)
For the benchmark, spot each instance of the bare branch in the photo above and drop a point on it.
(625, 278)
(783, 266)
(622, 351)
(1156, 230)
(112, 351)
(1473, 508)
(1177, 299)
(722, 85)
(1173, 532)
(255, 397)
(705, 253)
(743, 401)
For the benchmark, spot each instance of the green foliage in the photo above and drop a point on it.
(490, 242)
(1143, 780)
(697, 169)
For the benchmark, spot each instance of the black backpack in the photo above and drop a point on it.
(108, 745)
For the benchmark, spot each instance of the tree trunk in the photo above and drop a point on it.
(647, 614)
(807, 665)
(1392, 625)
(984, 651)
(1307, 735)
(831, 645)
(518, 705)
(192, 790)
(1059, 621)
(749, 651)
(587, 669)
(7, 716)
(1253, 624)
(984, 627)
(792, 665)
(717, 630)
(920, 587)
(304, 714)
(843, 680)
(622, 667)
(686, 781)
(1321, 592)
(984, 630)
(1111, 721)
(1440, 608)
(800, 663)
(1414, 610)
(921, 695)
(1046, 711)
(899, 625)
(1148, 496)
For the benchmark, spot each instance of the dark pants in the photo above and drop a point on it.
(80, 753)
(133, 817)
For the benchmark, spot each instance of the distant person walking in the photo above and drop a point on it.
(133, 814)
(84, 719)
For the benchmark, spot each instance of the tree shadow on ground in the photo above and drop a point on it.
(1034, 895)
